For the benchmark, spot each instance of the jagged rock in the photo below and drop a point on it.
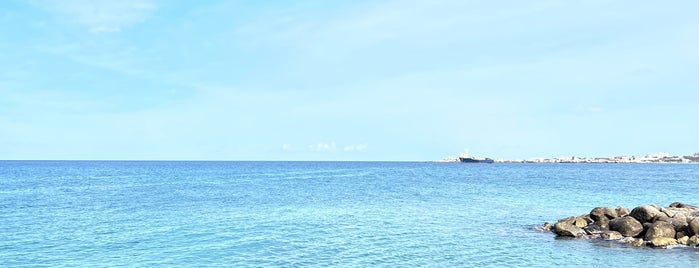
(660, 229)
(663, 242)
(603, 214)
(611, 235)
(680, 234)
(683, 240)
(693, 226)
(567, 229)
(627, 226)
(644, 214)
(596, 228)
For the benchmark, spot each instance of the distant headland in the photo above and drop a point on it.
(661, 157)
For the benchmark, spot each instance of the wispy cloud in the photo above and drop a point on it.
(100, 16)
(356, 148)
(322, 147)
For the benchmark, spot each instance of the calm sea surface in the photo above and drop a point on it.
(341, 214)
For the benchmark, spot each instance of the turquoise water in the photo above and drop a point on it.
(319, 214)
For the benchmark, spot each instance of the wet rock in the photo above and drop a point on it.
(611, 235)
(648, 225)
(546, 226)
(596, 228)
(663, 242)
(633, 241)
(644, 214)
(693, 241)
(660, 229)
(627, 226)
(567, 229)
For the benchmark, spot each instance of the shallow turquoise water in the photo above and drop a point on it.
(347, 214)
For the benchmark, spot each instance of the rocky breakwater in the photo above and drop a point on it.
(649, 225)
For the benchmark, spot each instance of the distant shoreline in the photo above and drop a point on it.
(656, 158)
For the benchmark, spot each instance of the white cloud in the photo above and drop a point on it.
(356, 148)
(287, 147)
(322, 147)
(100, 16)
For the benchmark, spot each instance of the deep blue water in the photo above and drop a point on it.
(289, 214)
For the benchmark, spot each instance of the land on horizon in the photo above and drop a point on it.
(661, 157)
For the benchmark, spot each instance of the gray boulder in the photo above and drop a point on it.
(660, 229)
(621, 211)
(564, 228)
(693, 241)
(596, 228)
(612, 235)
(662, 242)
(679, 223)
(627, 226)
(693, 226)
(682, 205)
(603, 214)
(644, 214)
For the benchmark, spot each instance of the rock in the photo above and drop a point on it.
(667, 212)
(570, 220)
(567, 229)
(611, 235)
(649, 225)
(633, 241)
(663, 242)
(596, 228)
(693, 226)
(580, 222)
(546, 226)
(681, 205)
(603, 214)
(621, 212)
(660, 229)
(693, 241)
(679, 225)
(682, 219)
(644, 214)
(627, 226)
(646, 227)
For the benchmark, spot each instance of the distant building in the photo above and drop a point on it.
(658, 155)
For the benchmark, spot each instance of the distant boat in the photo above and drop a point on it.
(464, 158)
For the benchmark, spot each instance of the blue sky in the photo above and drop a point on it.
(346, 80)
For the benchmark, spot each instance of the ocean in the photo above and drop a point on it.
(323, 214)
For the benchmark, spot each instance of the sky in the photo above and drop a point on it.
(346, 80)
